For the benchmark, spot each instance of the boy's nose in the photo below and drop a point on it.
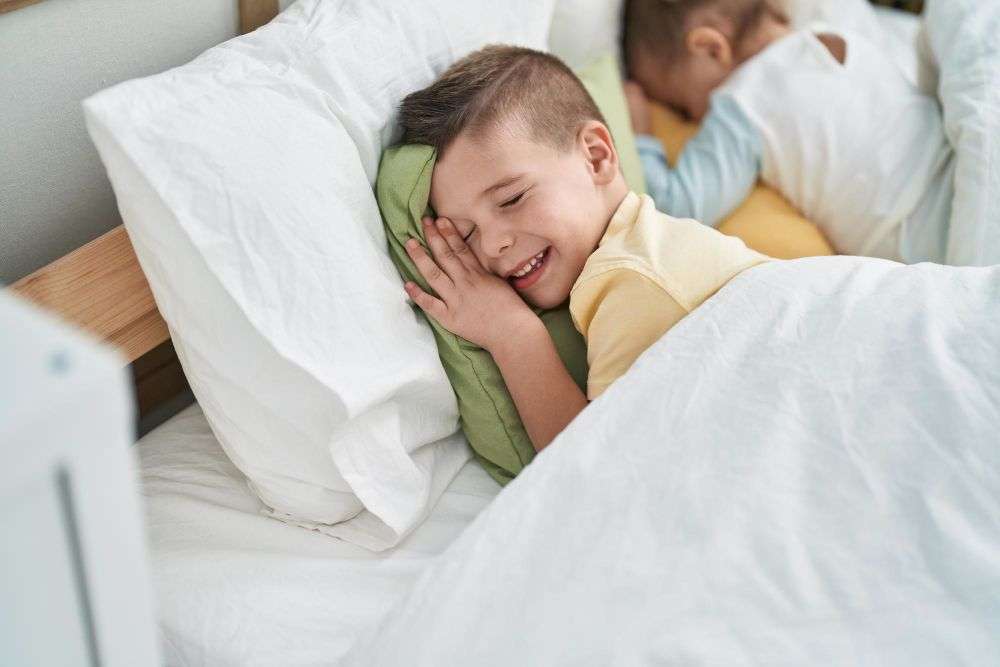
(497, 243)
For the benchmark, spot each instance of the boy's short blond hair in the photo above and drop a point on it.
(496, 84)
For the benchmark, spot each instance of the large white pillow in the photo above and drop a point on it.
(904, 38)
(898, 32)
(584, 30)
(245, 182)
(854, 15)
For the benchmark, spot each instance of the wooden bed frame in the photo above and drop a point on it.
(100, 287)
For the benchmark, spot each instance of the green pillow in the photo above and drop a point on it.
(488, 416)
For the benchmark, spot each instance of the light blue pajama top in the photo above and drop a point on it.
(717, 169)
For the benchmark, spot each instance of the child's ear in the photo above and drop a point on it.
(599, 148)
(709, 42)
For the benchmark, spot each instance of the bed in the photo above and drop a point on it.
(234, 586)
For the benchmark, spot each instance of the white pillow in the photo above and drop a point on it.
(898, 32)
(854, 15)
(905, 38)
(244, 179)
(584, 30)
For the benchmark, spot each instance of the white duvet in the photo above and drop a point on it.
(804, 471)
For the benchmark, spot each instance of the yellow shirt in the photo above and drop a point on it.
(649, 271)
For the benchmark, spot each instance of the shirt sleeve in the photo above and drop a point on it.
(630, 313)
(716, 171)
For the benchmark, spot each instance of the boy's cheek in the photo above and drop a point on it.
(553, 296)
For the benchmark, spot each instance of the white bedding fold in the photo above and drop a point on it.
(806, 470)
(236, 588)
(963, 38)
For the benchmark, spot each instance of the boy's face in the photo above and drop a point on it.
(532, 214)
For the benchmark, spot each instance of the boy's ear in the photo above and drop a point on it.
(599, 147)
(711, 43)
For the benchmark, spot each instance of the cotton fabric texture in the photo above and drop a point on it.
(237, 589)
(817, 149)
(962, 35)
(649, 271)
(488, 415)
(803, 470)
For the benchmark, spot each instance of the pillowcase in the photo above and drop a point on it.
(489, 417)
(905, 39)
(245, 182)
(585, 30)
(896, 31)
(854, 15)
(765, 221)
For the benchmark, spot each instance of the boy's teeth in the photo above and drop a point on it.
(529, 265)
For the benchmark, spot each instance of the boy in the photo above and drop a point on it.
(532, 207)
(824, 117)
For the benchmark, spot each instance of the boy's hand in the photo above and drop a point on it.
(472, 303)
(638, 107)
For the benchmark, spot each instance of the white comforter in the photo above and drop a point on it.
(804, 471)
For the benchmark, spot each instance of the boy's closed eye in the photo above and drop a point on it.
(505, 204)
(513, 200)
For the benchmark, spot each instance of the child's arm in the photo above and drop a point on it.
(546, 396)
(485, 309)
(716, 171)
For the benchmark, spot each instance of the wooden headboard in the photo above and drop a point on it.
(100, 287)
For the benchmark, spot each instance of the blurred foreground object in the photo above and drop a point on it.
(74, 583)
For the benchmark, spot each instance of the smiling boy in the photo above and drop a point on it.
(533, 208)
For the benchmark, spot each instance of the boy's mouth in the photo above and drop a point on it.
(530, 272)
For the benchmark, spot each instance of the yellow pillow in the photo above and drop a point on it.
(765, 221)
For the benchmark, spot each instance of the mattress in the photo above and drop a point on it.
(234, 587)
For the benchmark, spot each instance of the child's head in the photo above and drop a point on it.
(526, 168)
(679, 51)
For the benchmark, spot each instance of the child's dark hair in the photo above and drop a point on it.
(495, 84)
(659, 27)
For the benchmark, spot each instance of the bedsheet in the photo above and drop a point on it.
(234, 587)
(806, 470)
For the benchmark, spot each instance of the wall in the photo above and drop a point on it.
(54, 195)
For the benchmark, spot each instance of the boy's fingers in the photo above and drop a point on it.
(434, 307)
(458, 244)
(443, 254)
(432, 273)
